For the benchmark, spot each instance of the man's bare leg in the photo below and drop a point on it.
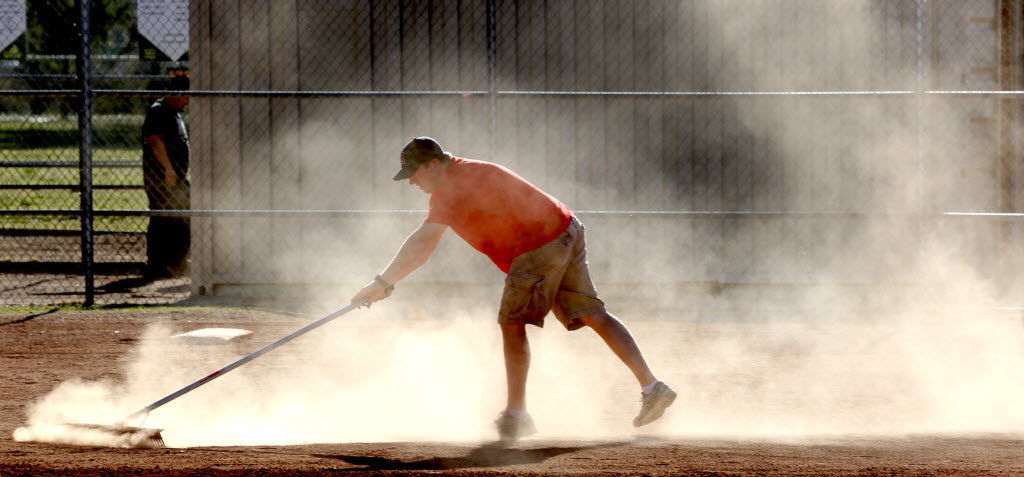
(514, 422)
(517, 363)
(617, 337)
(658, 396)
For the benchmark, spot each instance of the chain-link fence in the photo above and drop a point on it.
(768, 142)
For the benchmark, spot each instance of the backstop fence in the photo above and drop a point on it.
(760, 142)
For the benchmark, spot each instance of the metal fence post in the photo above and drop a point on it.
(85, 108)
(1009, 80)
(492, 71)
(920, 86)
(1011, 13)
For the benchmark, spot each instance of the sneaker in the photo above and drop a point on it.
(654, 404)
(512, 428)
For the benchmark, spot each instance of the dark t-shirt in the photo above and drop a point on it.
(161, 119)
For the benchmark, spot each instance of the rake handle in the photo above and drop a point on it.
(256, 354)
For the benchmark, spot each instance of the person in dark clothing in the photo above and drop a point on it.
(165, 161)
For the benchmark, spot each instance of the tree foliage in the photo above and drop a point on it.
(53, 26)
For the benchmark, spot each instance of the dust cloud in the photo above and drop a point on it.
(891, 322)
(885, 321)
(395, 373)
(368, 378)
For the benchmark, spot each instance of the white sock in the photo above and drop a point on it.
(516, 413)
(650, 387)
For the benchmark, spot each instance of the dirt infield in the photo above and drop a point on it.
(38, 350)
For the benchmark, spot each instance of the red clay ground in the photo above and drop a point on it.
(38, 350)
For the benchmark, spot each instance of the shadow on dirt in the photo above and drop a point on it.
(130, 284)
(488, 455)
(30, 317)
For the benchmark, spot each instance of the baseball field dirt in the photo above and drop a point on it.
(39, 349)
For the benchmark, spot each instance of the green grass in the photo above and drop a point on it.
(100, 224)
(62, 133)
(116, 138)
(56, 140)
(70, 154)
(103, 199)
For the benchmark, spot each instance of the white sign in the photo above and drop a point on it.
(12, 21)
(165, 24)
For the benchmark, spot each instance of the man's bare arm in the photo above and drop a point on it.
(416, 250)
(159, 147)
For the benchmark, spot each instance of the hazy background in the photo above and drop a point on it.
(859, 309)
(866, 164)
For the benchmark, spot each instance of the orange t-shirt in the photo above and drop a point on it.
(495, 211)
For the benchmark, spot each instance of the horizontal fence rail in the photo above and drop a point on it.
(327, 94)
(596, 213)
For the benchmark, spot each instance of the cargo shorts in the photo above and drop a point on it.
(552, 277)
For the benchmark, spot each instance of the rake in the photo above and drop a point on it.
(136, 437)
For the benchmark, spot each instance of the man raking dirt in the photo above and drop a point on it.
(538, 242)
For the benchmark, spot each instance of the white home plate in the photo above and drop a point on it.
(212, 335)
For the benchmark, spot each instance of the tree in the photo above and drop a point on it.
(54, 40)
